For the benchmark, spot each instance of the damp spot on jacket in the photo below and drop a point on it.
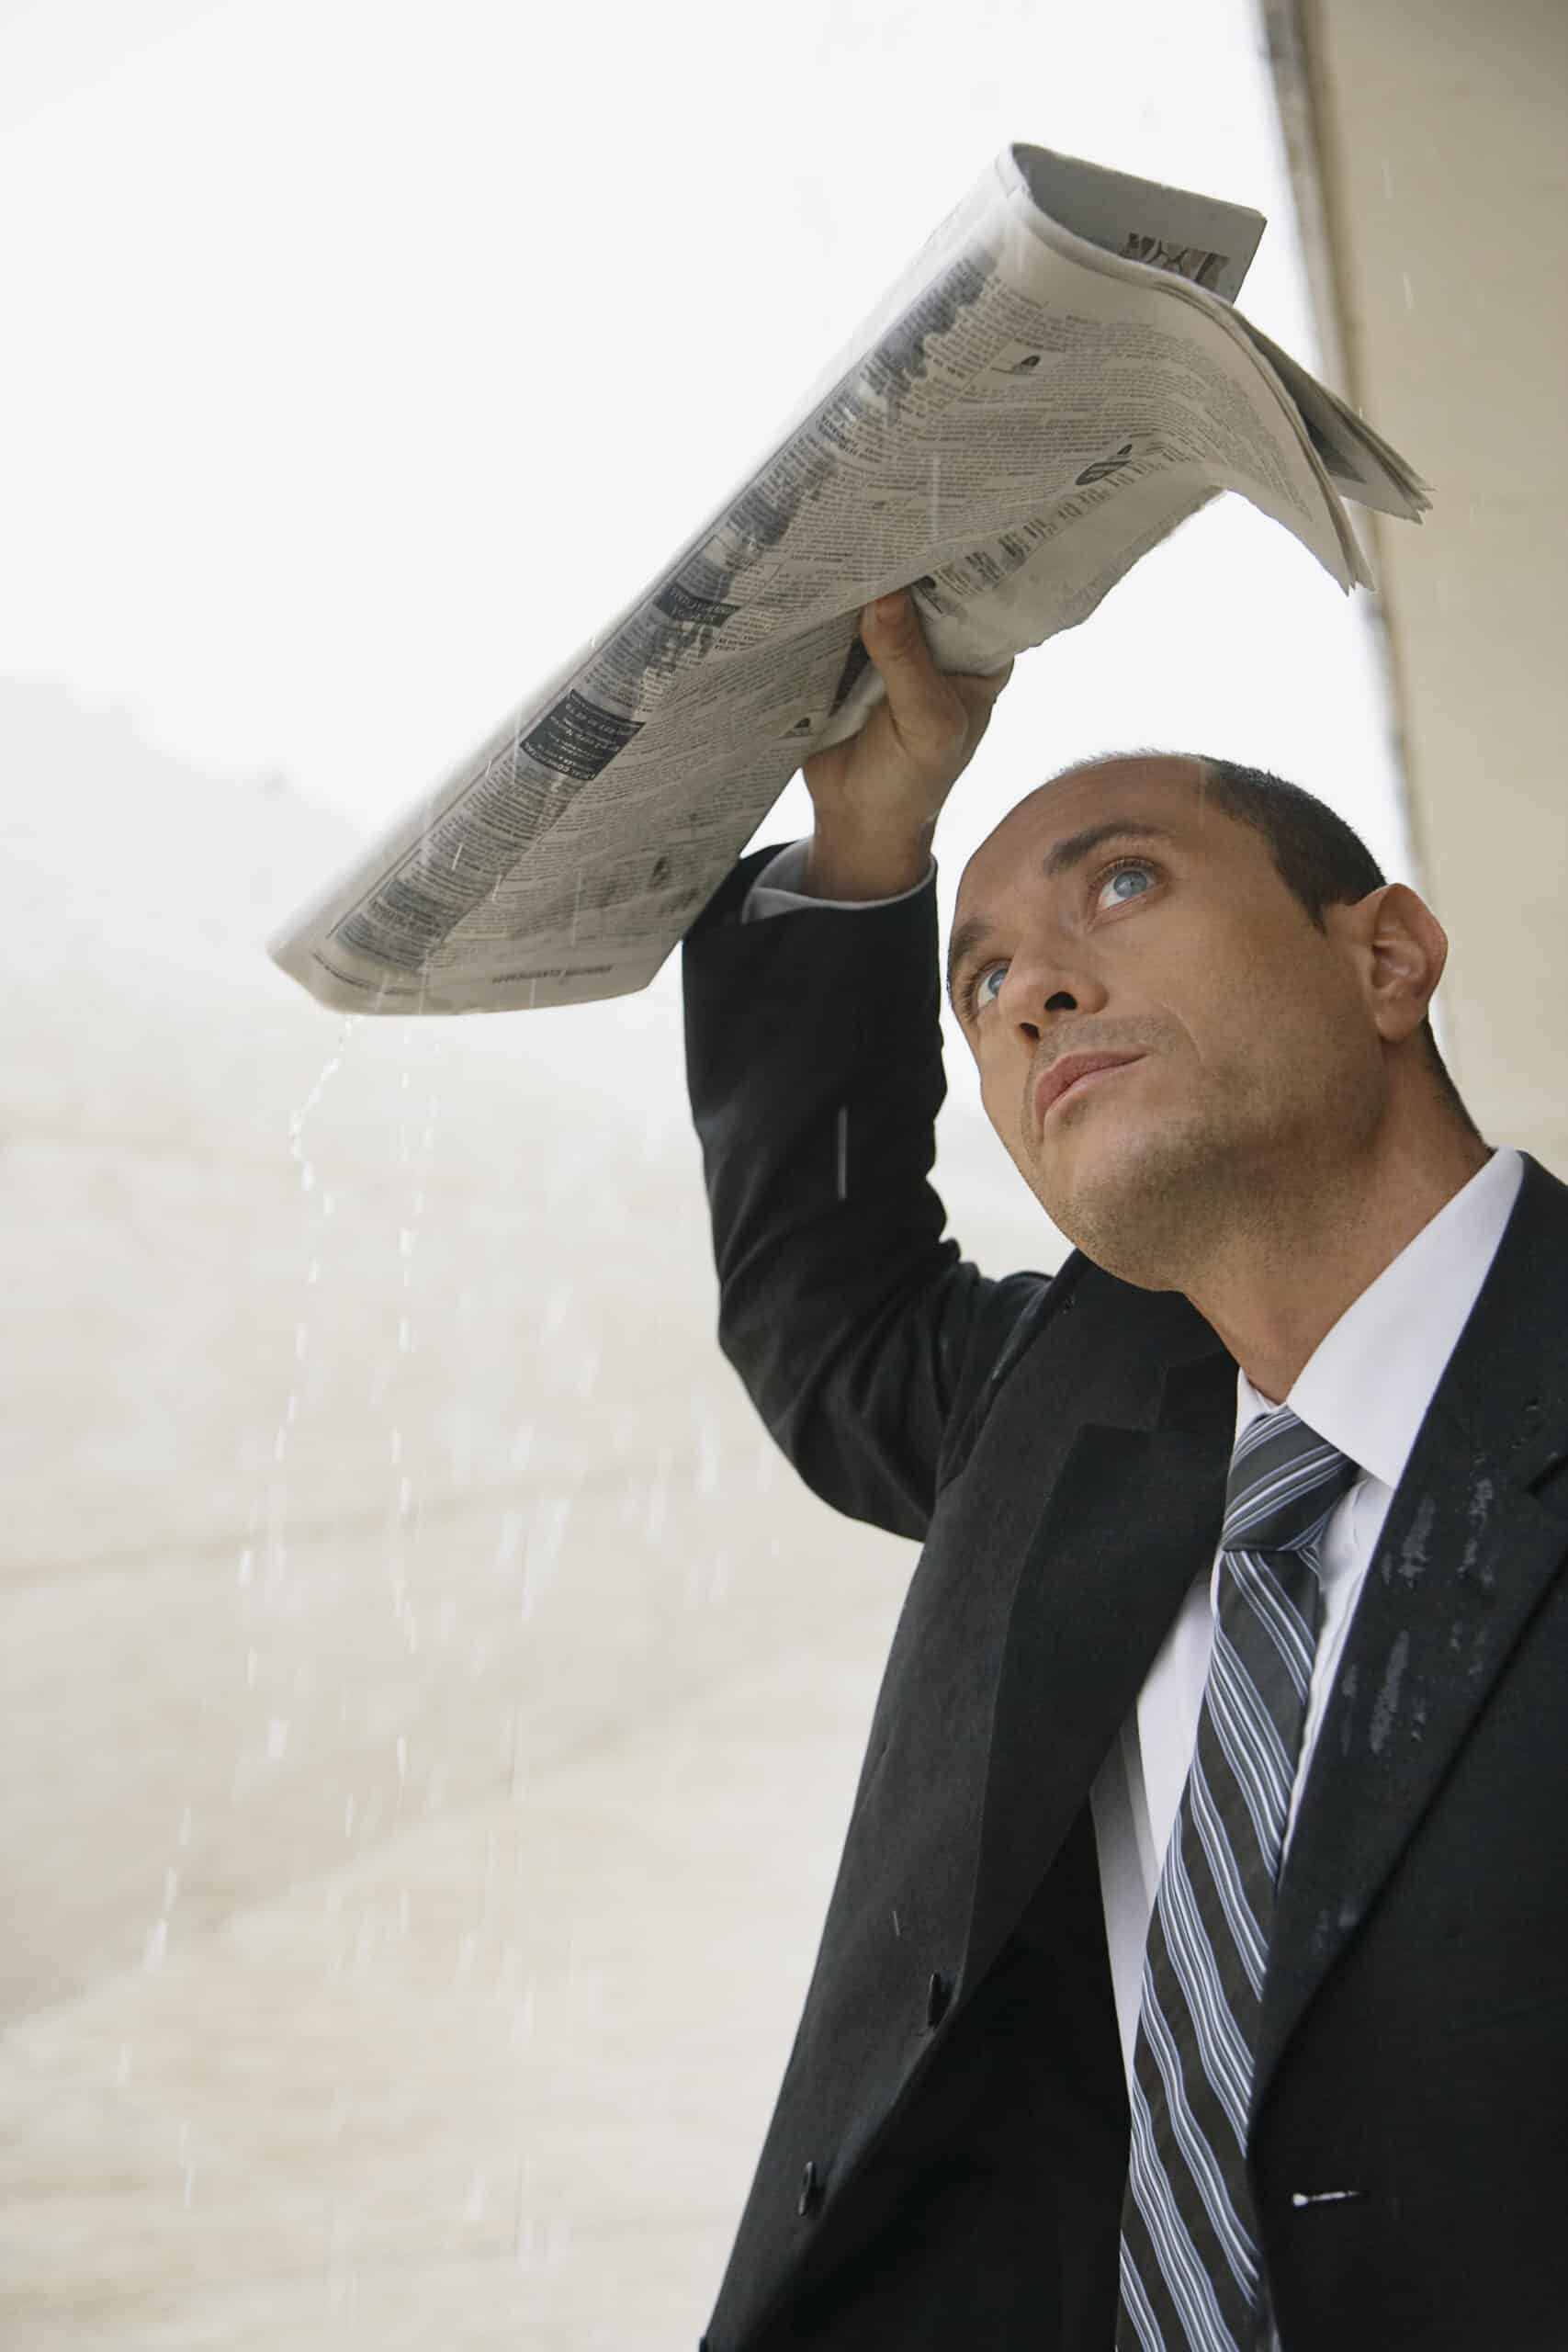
(1479, 1512)
(1331, 1926)
(1386, 1705)
(1413, 1559)
(1350, 1683)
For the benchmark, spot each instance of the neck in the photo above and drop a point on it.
(1285, 1279)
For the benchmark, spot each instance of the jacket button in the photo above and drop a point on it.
(810, 2190)
(939, 1992)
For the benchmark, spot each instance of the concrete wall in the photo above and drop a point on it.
(1434, 131)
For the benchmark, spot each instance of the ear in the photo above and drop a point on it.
(1403, 949)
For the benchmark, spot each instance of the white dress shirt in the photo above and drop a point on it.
(1365, 1388)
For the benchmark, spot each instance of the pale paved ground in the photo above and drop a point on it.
(430, 1705)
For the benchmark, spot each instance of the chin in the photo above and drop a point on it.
(1131, 1202)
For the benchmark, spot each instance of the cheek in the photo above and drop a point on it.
(1001, 1099)
(1258, 1024)
(995, 1102)
(1223, 992)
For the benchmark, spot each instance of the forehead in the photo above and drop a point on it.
(1165, 791)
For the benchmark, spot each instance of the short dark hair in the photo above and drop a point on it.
(1321, 860)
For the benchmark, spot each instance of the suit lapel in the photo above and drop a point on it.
(1133, 1516)
(1466, 1553)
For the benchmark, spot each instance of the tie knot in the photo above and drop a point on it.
(1284, 1482)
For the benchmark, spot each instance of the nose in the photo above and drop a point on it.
(1038, 985)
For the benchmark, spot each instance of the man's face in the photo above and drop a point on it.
(1258, 1056)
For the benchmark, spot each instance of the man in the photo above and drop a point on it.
(1194, 1976)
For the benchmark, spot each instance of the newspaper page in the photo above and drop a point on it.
(1358, 461)
(1056, 383)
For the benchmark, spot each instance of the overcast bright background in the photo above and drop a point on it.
(386, 1540)
(372, 354)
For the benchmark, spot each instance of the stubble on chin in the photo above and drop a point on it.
(1143, 1206)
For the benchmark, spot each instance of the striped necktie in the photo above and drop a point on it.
(1191, 2262)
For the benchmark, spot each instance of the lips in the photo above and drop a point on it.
(1064, 1073)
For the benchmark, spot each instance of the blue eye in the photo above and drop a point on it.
(1107, 874)
(1132, 865)
(976, 1000)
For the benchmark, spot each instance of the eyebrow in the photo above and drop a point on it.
(975, 930)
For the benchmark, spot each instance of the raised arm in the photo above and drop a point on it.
(813, 1063)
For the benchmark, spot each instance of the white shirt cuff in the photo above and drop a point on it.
(778, 889)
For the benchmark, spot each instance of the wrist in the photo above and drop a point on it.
(839, 866)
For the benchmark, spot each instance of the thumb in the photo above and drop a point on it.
(891, 632)
(924, 707)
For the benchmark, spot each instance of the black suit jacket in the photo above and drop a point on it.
(946, 2160)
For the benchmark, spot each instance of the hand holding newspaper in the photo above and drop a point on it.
(1056, 382)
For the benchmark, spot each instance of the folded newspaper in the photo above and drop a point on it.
(1056, 382)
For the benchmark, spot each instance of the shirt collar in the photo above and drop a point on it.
(1367, 1385)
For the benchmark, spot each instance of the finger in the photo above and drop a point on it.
(917, 690)
(891, 632)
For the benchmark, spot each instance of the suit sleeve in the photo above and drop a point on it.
(814, 1066)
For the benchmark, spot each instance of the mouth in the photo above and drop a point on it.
(1081, 1085)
